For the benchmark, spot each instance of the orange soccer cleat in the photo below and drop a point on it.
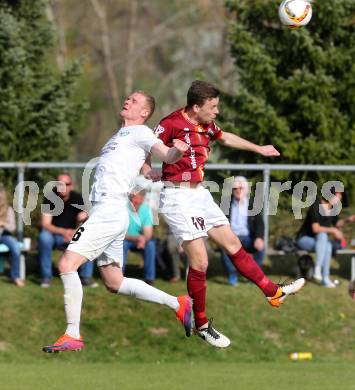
(284, 291)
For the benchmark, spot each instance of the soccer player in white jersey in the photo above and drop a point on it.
(101, 236)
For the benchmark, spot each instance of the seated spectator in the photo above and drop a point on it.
(57, 231)
(249, 229)
(7, 227)
(139, 234)
(176, 256)
(316, 233)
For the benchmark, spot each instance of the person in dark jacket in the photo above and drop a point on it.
(58, 230)
(249, 228)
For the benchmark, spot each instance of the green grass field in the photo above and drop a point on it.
(133, 345)
(55, 374)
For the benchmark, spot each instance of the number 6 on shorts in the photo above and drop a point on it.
(78, 234)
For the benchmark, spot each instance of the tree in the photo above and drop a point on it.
(296, 87)
(39, 112)
(158, 46)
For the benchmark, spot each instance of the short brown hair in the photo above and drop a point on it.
(199, 92)
(150, 102)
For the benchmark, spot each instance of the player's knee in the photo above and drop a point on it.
(67, 265)
(63, 266)
(111, 289)
(112, 286)
(232, 249)
(200, 265)
(232, 246)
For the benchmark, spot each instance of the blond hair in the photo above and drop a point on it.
(150, 102)
(3, 204)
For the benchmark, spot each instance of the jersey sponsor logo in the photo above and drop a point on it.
(192, 151)
(193, 158)
(109, 147)
(159, 130)
(187, 139)
(210, 132)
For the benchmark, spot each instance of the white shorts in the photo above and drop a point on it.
(190, 212)
(101, 235)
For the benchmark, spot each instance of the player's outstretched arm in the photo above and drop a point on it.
(169, 155)
(233, 141)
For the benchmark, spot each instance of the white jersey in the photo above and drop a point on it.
(120, 162)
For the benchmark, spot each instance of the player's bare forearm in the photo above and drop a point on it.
(233, 141)
(177, 151)
(169, 155)
(173, 155)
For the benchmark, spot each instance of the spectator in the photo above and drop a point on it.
(57, 231)
(8, 226)
(178, 256)
(249, 229)
(315, 235)
(139, 234)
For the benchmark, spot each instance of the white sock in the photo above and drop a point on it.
(140, 290)
(73, 296)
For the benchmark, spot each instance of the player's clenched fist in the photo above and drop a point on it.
(181, 146)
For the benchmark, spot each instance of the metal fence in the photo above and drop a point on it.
(266, 169)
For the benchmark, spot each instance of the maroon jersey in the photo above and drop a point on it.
(191, 166)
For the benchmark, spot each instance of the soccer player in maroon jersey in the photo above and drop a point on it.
(190, 211)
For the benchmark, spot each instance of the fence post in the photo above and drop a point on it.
(266, 176)
(21, 190)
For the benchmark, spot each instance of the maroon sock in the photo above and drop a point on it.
(247, 266)
(196, 286)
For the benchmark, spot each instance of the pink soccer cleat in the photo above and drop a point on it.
(65, 343)
(184, 313)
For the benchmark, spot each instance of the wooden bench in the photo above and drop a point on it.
(4, 250)
(346, 267)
